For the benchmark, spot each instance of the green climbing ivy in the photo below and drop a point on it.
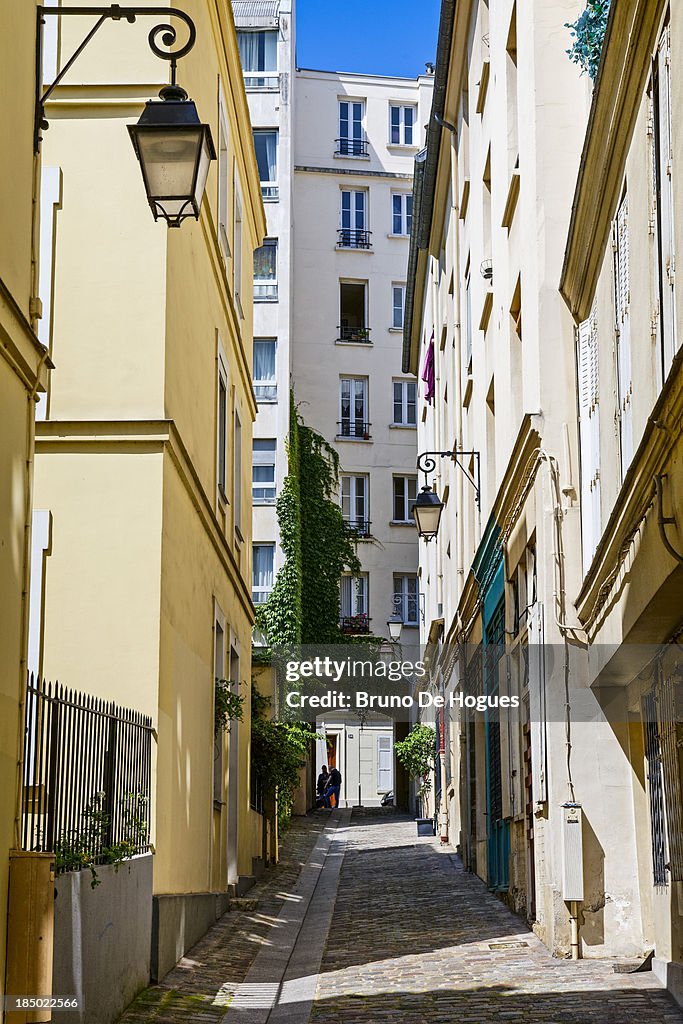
(589, 34)
(278, 753)
(303, 607)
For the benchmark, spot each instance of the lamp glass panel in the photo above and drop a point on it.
(169, 160)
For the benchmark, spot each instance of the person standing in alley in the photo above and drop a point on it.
(333, 788)
(321, 786)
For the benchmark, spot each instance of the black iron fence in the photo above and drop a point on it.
(354, 238)
(87, 776)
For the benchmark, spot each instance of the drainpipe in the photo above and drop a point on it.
(459, 483)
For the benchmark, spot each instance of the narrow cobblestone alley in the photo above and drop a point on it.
(362, 923)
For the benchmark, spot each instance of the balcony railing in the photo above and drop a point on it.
(361, 527)
(354, 238)
(351, 147)
(357, 334)
(354, 625)
(265, 291)
(354, 428)
(261, 80)
(269, 191)
(265, 392)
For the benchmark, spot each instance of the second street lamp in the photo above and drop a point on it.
(428, 506)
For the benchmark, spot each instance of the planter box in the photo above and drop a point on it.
(425, 826)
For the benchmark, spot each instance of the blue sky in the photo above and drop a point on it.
(381, 37)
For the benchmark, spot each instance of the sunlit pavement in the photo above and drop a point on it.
(364, 922)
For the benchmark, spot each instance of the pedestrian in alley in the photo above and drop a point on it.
(333, 788)
(321, 786)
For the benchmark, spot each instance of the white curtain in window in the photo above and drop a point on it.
(263, 565)
(264, 360)
(258, 50)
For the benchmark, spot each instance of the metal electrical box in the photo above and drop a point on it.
(572, 852)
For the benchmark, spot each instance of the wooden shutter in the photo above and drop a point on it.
(664, 192)
(589, 436)
(623, 327)
(537, 706)
(384, 765)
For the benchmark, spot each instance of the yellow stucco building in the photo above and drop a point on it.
(23, 372)
(144, 443)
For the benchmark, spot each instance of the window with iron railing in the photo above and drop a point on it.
(263, 560)
(353, 230)
(264, 364)
(353, 297)
(355, 503)
(354, 408)
(406, 594)
(351, 141)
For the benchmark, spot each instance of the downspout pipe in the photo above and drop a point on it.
(423, 190)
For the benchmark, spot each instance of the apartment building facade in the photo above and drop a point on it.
(619, 282)
(266, 34)
(145, 443)
(24, 365)
(485, 313)
(356, 137)
(555, 571)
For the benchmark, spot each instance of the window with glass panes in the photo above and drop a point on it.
(351, 140)
(265, 270)
(405, 493)
(222, 428)
(354, 407)
(405, 398)
(263, 560)
(263, 471)
(402, 123)
(258, 53)
(406, 589)
(354, 502)
(398, 298)
(265, 146)
(401, 213)
(265, 383)
(354, 595)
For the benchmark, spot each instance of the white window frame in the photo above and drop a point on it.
(358, 211)
(402, 107)
(262, 81)
(358, 387)
(266, 390)
(410, 603)
(259, 594)
(406, 386)
(270, 190)
(404, 199)
(407, 500)
(352, 137)
(352, 480)
(358, 595)
(398, 286)
(266, 457)
(222, 428)
(266, 289)
(223, 225)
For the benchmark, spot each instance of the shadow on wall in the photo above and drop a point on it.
(592, 922)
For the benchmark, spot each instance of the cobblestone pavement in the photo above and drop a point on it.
(203, 984)
(409, 943)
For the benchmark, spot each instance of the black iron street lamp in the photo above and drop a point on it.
(174, 148)
(395, 620)
(428, 506)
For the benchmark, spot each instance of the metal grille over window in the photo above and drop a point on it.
(670, 723)
(653, 759)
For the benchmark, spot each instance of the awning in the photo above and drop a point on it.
(256, 13)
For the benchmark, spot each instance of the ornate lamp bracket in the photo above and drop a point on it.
(426, 463)
(164, 33)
